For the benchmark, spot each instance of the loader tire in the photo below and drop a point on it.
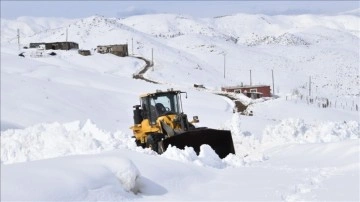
(153, 141)
(139, 144)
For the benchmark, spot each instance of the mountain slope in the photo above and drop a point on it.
(182, 45)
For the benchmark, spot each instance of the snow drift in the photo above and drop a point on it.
(105, 177)
(50, 140)
(297, 131)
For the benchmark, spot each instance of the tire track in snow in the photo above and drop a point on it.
(309, 184)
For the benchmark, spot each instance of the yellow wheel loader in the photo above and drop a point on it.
(159, 122)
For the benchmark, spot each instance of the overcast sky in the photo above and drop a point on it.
(79, 9)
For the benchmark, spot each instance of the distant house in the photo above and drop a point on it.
(103, 49)
(84, 52)
(256, 91)
(36, 45)
(56, 45)
(119, 50)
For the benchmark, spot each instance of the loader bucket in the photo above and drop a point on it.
(219, 140)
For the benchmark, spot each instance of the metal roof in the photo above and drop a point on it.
(240, 87)
(160, 92)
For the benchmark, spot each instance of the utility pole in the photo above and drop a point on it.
(309, 86)
(152, 58)
(250, 78)
(273, 86)
(66, 34)
(224, 64)
(18, 36)
(132, 46)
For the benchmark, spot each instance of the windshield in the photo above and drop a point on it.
(165, 103)
(159, 105)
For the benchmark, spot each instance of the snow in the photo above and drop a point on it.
(56, 140)
(105, 177)
(65, 119)
(314, 161)
(289, 131)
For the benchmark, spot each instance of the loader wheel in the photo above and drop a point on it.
(191, 126)
(139, 144)
(153, 141)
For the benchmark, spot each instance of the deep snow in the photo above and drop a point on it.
(269, 170)
(65, 119)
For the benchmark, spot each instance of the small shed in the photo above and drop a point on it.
(256, 91)
(84, 52)
(119, 49)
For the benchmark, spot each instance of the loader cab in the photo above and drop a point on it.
(159, 104)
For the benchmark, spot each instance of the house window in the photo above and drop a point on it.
(237, 91)
(253, 90)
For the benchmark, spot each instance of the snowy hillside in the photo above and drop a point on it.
(65, 119)
(302, 46)
(29, 26)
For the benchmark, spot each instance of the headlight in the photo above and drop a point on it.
(177, 119)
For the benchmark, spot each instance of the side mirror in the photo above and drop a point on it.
(195, 119)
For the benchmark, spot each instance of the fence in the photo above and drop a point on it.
(322, 102)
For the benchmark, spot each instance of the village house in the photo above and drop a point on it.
(55, 45)
(119, 50)
(255, 91)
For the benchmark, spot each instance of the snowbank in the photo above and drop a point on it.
(252, 147)
(207, 156)
(297, 131)
(245, 142)
(294, 131)
(49, 140)
(93, 177)
(52, 140)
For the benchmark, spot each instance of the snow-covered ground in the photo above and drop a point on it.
(65, 119)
